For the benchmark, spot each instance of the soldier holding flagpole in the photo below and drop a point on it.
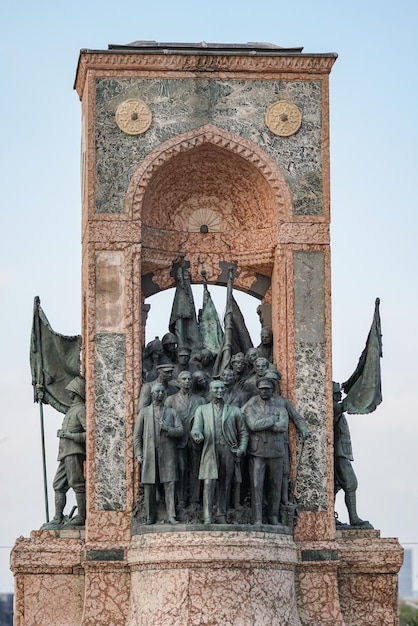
(364, 394)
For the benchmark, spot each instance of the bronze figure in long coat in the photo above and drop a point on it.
(155, 434)
(157, 446)
(222, 429)
(233, 429)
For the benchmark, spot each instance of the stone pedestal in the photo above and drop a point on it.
(368, 577)
(183, 577)
(49, 579)
(107, 587)
(214, 578)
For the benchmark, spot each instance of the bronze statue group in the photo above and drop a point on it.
(209, 443)
(211, 437)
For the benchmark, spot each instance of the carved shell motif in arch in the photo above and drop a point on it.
(205, 221)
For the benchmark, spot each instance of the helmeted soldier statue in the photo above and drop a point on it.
(71, 457)
(344, 476)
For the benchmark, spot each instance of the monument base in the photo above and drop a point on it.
(213, 577)
(49, 578)
(368, 577)
(179, 577)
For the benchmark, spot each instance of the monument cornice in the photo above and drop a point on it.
(111, 228)
(306, 232)
(201, 62)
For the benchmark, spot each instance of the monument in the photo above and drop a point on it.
(206, 163)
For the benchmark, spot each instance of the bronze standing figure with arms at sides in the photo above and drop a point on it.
(155, 434)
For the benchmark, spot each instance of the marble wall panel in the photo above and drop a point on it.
(213, 596)
(220, 597)
(369, 599)
(106, 595)
(51, 600)
(309, 307)
(179, 105)
(110, 421)
(273, 594)
(318, 596)
(109, 291)
(165, 600)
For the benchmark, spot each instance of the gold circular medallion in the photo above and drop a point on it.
(133, 117)
(283, 118)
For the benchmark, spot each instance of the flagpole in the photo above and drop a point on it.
(229, 313)
(223, 359)
(41, 412)
(39, 394)
(204, 279)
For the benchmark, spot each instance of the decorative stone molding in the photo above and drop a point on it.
(283, 118)
(205, 221)
(202, 62)
(304, 233)
(157, 269)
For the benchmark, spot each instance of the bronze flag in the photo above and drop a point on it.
(54, 361)
(183, 321)
(209, 324)
(364, 387)
(236, 336)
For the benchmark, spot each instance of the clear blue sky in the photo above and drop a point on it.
(374, 132)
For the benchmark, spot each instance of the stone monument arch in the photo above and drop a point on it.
(209, 192)
(216, 195)
(221, 153)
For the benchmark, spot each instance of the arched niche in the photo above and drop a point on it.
(214, 196)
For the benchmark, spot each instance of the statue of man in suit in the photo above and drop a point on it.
(222, 429)
(155, 434)
(185, 403)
